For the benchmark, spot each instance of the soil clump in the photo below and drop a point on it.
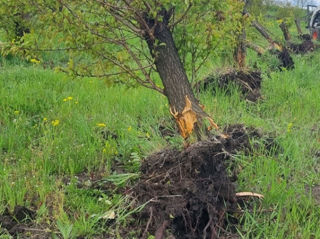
(20, 222)
(249, 83)
(188, 193)
(285, 59)
(306, 46)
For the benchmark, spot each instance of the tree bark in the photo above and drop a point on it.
(284, 28)
(240, 50)
(297, 22)
(266, 35)
(183, 103)
(281, 51)
(255, 47)
(170, 68)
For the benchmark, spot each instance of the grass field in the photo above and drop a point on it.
(59, 136)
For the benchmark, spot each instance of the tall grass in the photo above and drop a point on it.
(55, 128)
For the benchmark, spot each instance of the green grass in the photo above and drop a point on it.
(47, 136)
(52, 127)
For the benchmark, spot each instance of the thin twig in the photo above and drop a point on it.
(181, 18)
(144, 235)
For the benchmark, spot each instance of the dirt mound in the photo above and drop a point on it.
(188, 193)
(305, 37)
(248, 82)
(285, 59)
(17, 221)
(303, 48)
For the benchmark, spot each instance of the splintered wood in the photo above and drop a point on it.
(187, 118)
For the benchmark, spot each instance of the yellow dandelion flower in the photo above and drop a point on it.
(289, 127)
(101, 125)
(68, 98)
(16, 112)
(45, 119)
(35, 61)
(279, 21)
(130, 128)
(55, 122)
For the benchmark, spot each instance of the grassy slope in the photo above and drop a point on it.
(39, 162)
(36, 156)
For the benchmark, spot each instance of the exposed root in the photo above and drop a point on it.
(248, 82)
(249, 194)
(191, 190)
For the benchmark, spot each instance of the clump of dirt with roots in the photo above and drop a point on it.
(249, 83)
(189, 193)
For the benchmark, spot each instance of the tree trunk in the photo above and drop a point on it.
(284, 28)
(240, 50)
(297, 22)
(281, 51)
(183, 104)
(266, 35)
(255, 47)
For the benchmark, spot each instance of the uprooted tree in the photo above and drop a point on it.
(121, 38)
(280, 50)
(306, 46)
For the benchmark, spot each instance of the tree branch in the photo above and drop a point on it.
(181, 18)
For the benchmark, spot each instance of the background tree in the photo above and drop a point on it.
(15, 21)
(240, 49)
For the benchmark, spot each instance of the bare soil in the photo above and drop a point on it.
(21, 222)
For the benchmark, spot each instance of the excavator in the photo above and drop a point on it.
(314, 21)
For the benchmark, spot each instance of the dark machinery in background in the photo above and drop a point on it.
(313, 19)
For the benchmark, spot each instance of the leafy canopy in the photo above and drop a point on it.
(107, 38)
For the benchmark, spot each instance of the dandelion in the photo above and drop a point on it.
(289, 127)
(55, 122)
(45, 119)
(280, 21)
(101, 125)
(130, 128)
(35, 61)
(16, 112)
(68, 98)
